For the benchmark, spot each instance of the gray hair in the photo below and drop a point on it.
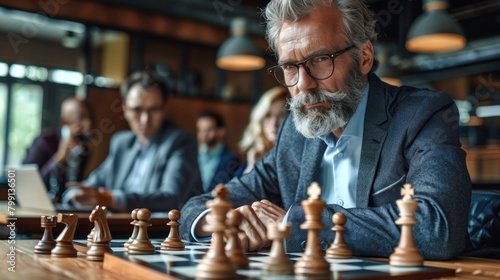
(357, 18)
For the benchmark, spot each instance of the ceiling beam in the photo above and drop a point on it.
(127, 19)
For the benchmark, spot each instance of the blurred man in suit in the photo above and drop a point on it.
(153, 165)
(61, 154)
(217, 163)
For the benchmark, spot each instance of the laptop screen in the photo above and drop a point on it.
(30, 188)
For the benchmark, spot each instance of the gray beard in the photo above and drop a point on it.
(319, 121)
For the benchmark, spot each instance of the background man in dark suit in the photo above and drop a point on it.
(217, 163)
(153, 165)
(61, 154)
(360, 138)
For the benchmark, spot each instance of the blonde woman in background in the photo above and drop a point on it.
(265, 120)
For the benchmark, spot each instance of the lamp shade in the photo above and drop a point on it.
(435, 31)
(239, 52)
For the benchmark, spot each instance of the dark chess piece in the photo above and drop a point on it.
(339, 249)
(47, 243)
(142, 244)
(101, 235)
(173, 242)
(64, 243)
(134, 232)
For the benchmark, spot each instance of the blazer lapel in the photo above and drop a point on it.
(311, 161)
(375, 131)
(127, 162)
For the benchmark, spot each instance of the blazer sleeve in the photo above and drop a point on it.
(41, 153)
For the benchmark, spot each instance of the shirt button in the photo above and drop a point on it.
(340, 155)
(340, 202)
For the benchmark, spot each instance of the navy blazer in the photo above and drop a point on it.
(42, 153)
(226, 170)
(171, 179)
(410, 136)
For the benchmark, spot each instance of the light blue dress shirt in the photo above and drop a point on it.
(209, 160)
(133, 182)
(340, 165)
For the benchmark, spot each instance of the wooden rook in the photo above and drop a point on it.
(313, 262)
(101, 235)
(278, 262)
(47, 243)
(215, 264)
(142, 244)
(339, 249)
(173, 242)
(406, 254)
(134, 232)
(64, 243)
(233, 248)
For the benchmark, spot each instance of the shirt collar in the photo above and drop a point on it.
(354, 126)
(217, 150)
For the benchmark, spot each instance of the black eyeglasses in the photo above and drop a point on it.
(319, 67)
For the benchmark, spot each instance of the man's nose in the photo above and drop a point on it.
(306, 82)
(144, 118)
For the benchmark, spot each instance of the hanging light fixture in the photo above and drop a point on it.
(435, 30)
(239, 52)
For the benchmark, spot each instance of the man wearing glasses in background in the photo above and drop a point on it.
(153, 165)
(360, 138)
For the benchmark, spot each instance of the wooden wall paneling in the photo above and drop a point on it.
(108, 118)
(39, 52)
(183, 111)
(125, 18)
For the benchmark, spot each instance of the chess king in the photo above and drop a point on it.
(358, 137)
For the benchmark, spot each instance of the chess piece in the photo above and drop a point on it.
(233, 246)
(142, 244)
(173, 242)
(64, 242)
(406, 254)
(101, 235)
(313, 261)
(339, 249)
(215, 264)
(134, 232)
(47, 243)
(90, 237)
(278, 262)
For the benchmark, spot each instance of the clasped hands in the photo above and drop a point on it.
(255, 219)
(86, 196)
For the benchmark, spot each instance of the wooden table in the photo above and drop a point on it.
(27, 222)
(32, 266)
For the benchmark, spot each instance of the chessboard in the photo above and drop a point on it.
(182, 265)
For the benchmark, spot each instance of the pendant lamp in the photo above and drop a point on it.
(239, 52)
(435, 31)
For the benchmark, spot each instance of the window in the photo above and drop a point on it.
(25, 120)
(3, 116)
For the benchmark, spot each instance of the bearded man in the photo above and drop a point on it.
(360, 138)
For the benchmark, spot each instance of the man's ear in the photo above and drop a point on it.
(366, 58)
